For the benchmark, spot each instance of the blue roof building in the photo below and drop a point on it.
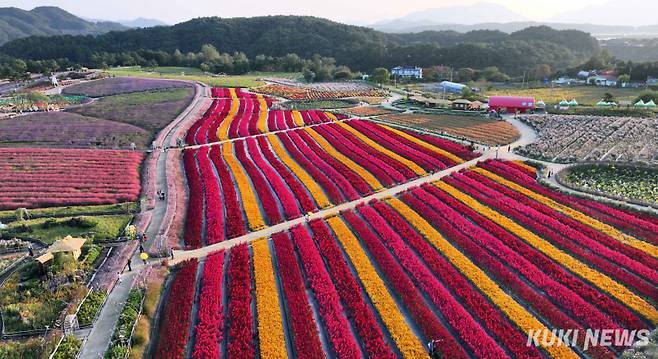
(415, 72)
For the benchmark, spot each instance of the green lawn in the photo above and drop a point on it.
(585, 95)
(194, 74)
(97, 228)
(121, 208)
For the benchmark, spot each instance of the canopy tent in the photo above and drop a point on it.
(68, 244)
(650, 104)
(541, 104)
(640, 104)
(573, 103)
(603, 104)
(564, 103)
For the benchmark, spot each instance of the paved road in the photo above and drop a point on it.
(101, 333)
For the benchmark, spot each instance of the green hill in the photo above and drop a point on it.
(359, 48)
(45, 21)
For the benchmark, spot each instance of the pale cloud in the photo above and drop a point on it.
(353, 11)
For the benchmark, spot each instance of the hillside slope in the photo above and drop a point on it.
(47, 20)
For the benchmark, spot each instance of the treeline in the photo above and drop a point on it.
(627, 70)
(208, 59)
(358, 48)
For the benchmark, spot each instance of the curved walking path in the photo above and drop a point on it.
(101, 333)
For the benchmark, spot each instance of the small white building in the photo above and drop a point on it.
(603, 80)
(413, 72)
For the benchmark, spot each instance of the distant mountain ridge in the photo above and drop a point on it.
(510, 27)
(48, 20)
(489, 16)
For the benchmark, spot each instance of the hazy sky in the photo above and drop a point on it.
(352, 11)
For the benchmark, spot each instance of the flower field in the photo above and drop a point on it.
(248, 184)
(318, 93)
(570, 138)
(235, 114)
(474, 261)
(58, 177)
(471, 128)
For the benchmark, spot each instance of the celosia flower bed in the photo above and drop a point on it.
(61, 177)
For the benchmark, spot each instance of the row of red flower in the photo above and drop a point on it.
(174, 330)
(210, 325)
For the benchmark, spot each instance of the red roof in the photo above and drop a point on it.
(511, 101)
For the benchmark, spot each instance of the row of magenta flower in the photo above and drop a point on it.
(382, 260)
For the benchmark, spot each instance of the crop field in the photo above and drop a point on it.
(121, 85)
(56, 177)
(475, 261)
(585, 95)
(368, 111)
(151, 110)
(193, 74)
(249, 184)
(567, 138)
(235, 113)
(472, 128)
(625, 181)
(310, 93)
(70, 130)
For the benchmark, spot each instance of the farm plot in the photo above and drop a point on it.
(369, 111)
(471, 128)
(63, 129)
(55, 177)
(236, 114)
(152, 110)
(474, 261)
(122, 85)
(629, 182)
(318, 93)
(565, 138)
(247, 184)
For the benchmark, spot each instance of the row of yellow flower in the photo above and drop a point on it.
(525, 165)
(331, 116)
(262, 114)
(404, 338)
(249, 201)
(308, 181)
(577, 215)
(507, 304)
(270, 327)
(367, 176)
(297, 117)
(222, 131)
(365, 139)
(602, 281)
(427, 145)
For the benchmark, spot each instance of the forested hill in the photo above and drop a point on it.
(357, 47)
(47, 20)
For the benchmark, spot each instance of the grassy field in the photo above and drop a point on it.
(194, 74)
(585, 95)
(105, 209)
(150, 110)
(96, 227)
